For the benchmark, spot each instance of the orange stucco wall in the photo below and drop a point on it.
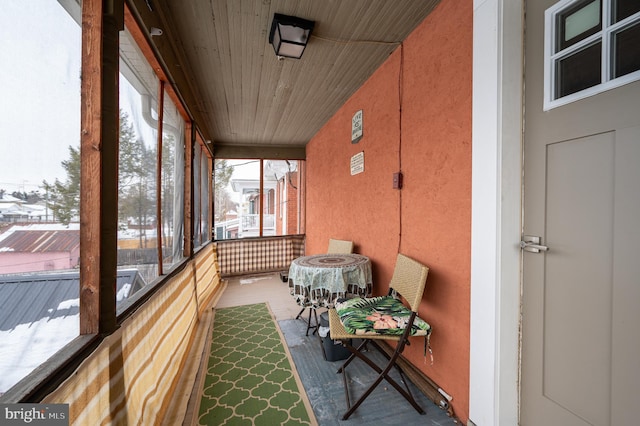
(417, 119)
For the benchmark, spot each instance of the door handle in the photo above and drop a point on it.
(532, 244)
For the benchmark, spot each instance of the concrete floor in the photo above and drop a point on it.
(322, 384)
(250, 289)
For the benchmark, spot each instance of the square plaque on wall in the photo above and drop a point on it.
(357, 163)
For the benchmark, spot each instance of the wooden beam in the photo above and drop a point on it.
(90, 142)
(300, 197)
(261, 198)
(101, 23)
(270, 152)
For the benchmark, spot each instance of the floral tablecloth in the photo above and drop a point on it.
(319, 280)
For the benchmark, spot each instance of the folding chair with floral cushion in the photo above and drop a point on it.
(382, 318)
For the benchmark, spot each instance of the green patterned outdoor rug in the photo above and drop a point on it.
(250, 378)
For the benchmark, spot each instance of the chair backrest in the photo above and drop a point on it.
(340, 246)
(409, 279)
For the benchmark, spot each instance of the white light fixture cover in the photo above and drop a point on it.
(289, 35)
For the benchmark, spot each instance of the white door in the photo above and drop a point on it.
(581, 298)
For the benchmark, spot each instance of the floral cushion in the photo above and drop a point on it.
(378, 315)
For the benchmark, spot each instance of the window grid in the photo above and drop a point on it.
(605, 36)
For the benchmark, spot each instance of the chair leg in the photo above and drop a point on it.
(353, 354)
(383, 374)
(315, 316)
(324, 354)
(309, 326)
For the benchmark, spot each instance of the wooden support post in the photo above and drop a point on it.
(101, 22)
(261, 198)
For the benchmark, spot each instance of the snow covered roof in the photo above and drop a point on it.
(42, 227)
(41, 241)
(16, 208)
(39, 314)
(40, 238)
(6, 198)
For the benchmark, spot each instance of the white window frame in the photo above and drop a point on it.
(604, 35)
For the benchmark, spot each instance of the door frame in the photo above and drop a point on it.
(496, 218)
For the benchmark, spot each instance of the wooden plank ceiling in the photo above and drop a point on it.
(238, 90)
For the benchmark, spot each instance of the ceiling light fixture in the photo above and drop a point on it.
(289, 35)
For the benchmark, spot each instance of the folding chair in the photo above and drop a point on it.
(335, 246)
(382, 318)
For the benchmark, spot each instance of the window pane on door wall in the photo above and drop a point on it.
(589, 54)
(626, 51)
(578, 22)
(238, 201)
(624, 8)
(579, 71)
(40, 43)
(137, 168)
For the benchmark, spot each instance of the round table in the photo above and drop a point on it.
(320, 279)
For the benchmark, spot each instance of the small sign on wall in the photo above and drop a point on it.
(356, 127)
(357, 163)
